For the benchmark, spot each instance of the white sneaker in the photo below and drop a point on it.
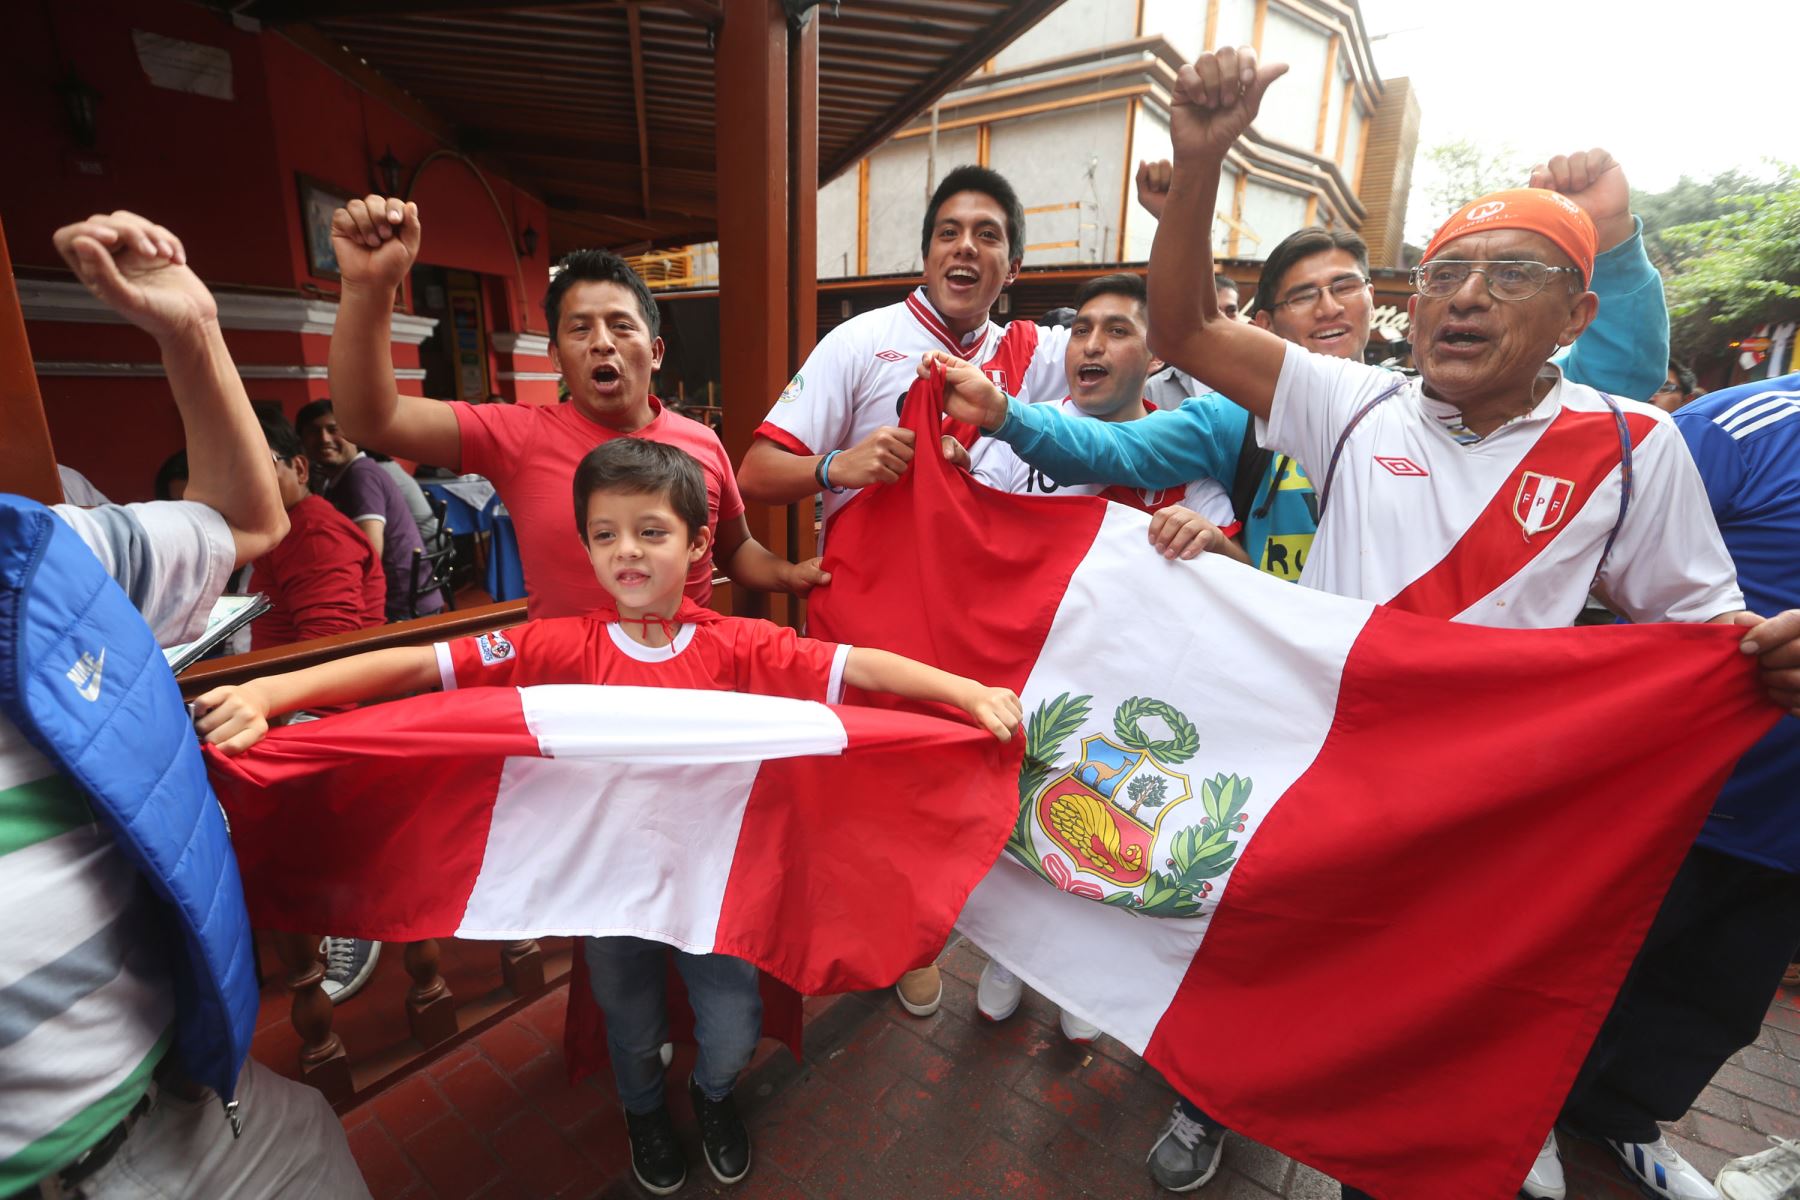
(1081, 1032)
(999, 992)
(1545, 1182)
(1772, 1175)
(1659, 1169)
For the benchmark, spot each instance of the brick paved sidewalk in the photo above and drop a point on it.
(889, 1106)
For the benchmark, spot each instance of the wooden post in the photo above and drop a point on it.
(27, 463)
(430, 1008)
(803, 253)
(522, 967)
(752, 169)
(323, 1062)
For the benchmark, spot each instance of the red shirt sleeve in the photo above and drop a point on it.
(772, 660)
(493, 438)
(553, 650)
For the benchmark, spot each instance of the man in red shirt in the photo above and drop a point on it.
(323, 577)
(605, 341)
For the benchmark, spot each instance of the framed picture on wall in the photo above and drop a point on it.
(318, 200)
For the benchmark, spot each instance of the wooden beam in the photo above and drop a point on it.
(288, 12)
(1348, 107)
(27, 461)
(1256, 28)
(1331, 57)
(752, 105)
(637, 97)
(862, 216)
(1131, 114)
(803, 264)
(1027, 110)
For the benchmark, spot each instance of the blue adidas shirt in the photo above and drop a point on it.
(1746, 441)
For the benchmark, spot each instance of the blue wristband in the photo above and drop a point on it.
(823, 474)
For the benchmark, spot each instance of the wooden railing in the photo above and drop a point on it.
(435, 1017)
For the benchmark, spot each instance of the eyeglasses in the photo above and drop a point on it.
(1511, 280)
(1667, 387)
(1342, 289)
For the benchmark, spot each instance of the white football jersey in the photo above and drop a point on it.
(1506, 531)
(855, 378)
(1001, 468)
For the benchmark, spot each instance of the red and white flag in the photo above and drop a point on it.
(832, 847)
(1360, 883)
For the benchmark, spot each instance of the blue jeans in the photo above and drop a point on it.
(628, 975)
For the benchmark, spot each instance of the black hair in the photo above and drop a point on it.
(993, 185)
(1684, 375)
(1303, 243)
(1224, 282)
(311, 412)
(598, 266)
(640, 466)
(1123, 284)
(281, 437)
(174, 467)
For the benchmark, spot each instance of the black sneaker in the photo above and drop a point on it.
(656, 1157)
(722, 1135)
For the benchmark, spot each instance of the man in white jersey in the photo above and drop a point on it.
(1106, 366)
(833, 428)
(1489, 490)
(97, 1103)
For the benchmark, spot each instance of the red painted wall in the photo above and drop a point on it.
(222, 175)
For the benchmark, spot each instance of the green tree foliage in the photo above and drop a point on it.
(1689, 201)
(1737, 269)
(1456, 172)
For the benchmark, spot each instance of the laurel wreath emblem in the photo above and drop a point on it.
(1183, 745)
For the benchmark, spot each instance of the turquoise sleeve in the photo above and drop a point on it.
(1625, 351)
(1167, 448)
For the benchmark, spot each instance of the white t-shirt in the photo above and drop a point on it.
(1408, 500)
(1002, 469)
(86, 973)
(855, 378)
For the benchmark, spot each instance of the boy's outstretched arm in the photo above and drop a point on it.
(996, 710)
(236, 717)
(376, 240)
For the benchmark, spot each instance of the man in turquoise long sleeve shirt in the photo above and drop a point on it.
(1315, 293)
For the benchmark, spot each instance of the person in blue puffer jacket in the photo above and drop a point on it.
(132, 996)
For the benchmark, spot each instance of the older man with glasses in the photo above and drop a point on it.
(1315, 292)
(1491, 490)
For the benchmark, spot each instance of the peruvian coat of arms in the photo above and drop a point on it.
(1114, 825)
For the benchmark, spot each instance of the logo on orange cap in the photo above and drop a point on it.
(1539, 210)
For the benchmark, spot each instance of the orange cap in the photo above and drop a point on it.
(1538, 209)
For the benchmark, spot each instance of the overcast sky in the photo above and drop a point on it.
(1671, 87)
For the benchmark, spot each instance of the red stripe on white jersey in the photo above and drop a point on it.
(935, 326)
(1579, 448)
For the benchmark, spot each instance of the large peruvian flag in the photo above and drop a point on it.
(1360, 883)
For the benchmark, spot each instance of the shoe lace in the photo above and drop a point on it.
(340, 955)
(1185, 1130)
(657, 1138)
(1778, 1166)
(715, 1117)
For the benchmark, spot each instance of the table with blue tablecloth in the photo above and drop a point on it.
(471, 506)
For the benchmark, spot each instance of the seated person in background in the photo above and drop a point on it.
(359, 488)
(413, 494)
(172, 477)
(324, 577)
(642, 513)
(131, 983)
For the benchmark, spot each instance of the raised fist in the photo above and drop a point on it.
(376, 239)
(1216, 98)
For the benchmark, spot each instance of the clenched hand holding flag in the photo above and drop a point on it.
(1360, 883)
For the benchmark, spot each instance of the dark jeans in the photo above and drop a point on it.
(1696, 995)
(629, 976)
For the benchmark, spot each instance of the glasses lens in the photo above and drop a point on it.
(1348, 286)
(1516, 280)
(1442, 278)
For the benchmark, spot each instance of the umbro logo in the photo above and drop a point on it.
(85, 674)
(890, 356)
(1400, 466)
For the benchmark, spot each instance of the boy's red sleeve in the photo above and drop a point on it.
(552, 650)
(775, 661)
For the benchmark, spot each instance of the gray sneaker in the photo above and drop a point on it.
(348, 964)
(1186, 1154)
(1772, 1175)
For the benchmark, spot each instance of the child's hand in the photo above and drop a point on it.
(233, 718)
(802, 577)
(995, 709)
(968, 394)
(1182, 533)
